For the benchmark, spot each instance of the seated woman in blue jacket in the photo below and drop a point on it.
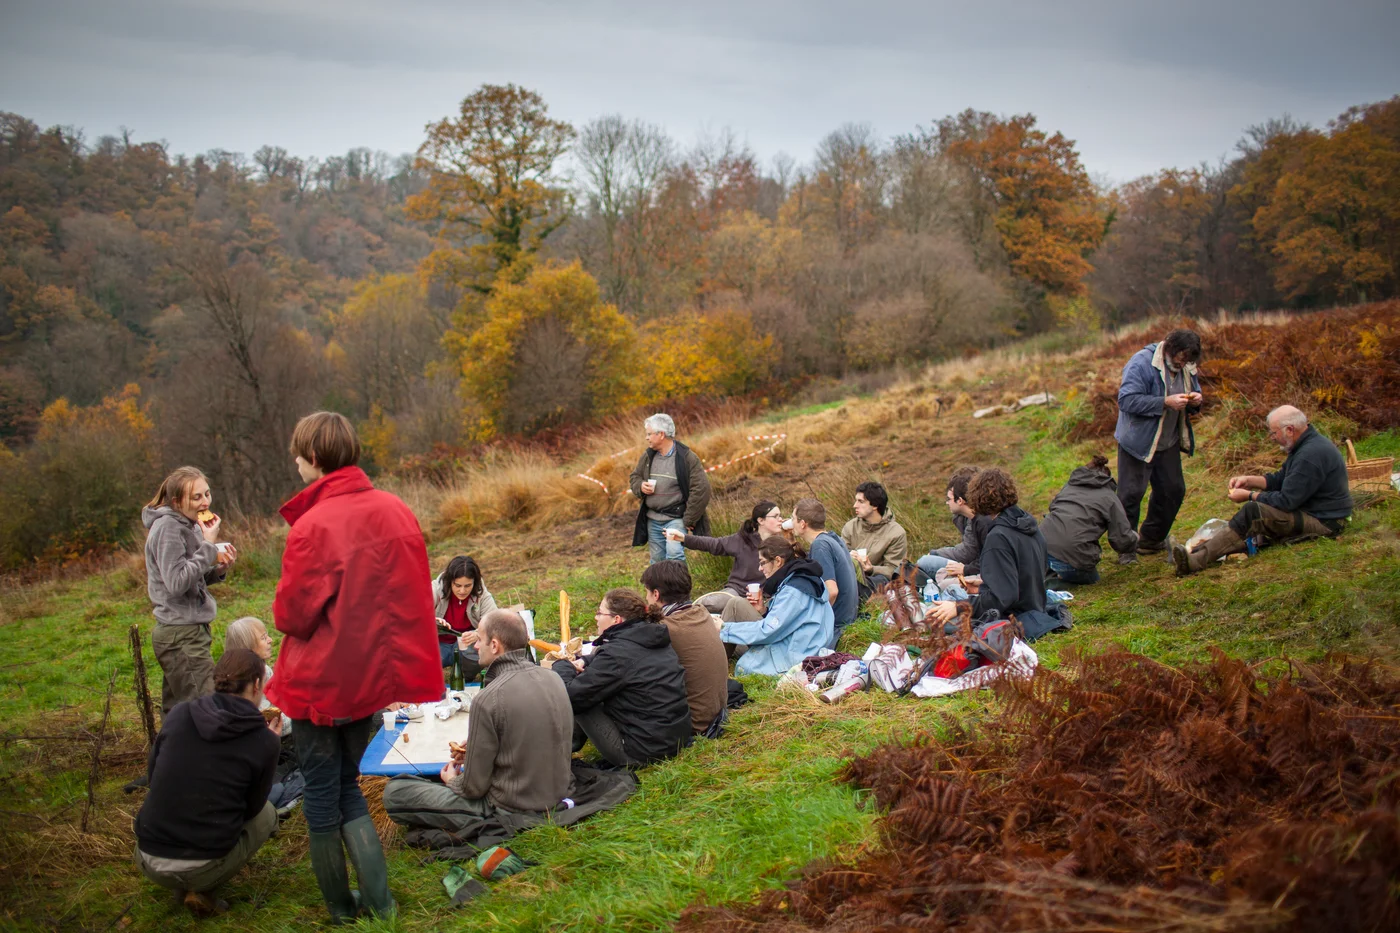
(798, 621)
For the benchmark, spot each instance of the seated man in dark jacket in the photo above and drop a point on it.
(1310, 497)
(210, 770)
(517, 742)
(1013, 559)
(629, 695)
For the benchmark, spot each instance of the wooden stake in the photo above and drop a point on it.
(143, 687)
(563, 618)
(97, 751)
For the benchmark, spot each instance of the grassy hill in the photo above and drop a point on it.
(729, 818)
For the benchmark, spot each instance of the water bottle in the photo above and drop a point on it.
(930, 591)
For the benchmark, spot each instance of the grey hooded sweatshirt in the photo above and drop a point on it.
(180, 565)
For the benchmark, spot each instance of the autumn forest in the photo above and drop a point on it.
(519, 273)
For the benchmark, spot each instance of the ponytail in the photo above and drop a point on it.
(629, 605)
(237, 669)
(760, 512)
(176, 487)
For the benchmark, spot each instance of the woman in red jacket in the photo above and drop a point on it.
(359, 635)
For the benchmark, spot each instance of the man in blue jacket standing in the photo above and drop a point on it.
(1158, 395)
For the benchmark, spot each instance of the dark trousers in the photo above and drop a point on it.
(1168, 491)
(1277, 526)
(330, 764)
(597, 726)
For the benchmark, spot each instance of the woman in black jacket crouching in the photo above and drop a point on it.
(210, 769)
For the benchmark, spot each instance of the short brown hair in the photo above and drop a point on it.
(810, 511)
(670, 578)
(326, 439)
(959, 480)
(991, 491)
(507, 627)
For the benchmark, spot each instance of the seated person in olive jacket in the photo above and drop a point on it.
(629, 695)
(209, 771)
(517, 748)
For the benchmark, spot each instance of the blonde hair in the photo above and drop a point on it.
(176, 487)
(243, 633)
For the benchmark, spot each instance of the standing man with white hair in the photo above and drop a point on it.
(1310, 497)
(674, 491)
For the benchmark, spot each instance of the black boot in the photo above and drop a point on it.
(371, 871)
(328, 864)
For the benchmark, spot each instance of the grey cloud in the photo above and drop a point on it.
(1139, 85)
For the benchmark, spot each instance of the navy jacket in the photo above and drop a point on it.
(1140, 404)
(1313, 479)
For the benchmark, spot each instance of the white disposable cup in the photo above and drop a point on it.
(862, 553)
(787, 524)
(223, 547)
(754, 588)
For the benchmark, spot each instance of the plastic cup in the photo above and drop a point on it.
(787, 524)
(754, 588)
(862, 553)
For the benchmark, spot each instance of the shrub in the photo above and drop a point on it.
(78, 489)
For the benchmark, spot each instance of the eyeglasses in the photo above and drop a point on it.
(765, 562)
(774, 515)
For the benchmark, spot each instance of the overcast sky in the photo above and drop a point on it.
(1139, 85)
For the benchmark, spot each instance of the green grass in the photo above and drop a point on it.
(720, 823)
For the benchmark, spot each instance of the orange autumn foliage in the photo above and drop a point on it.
(1046, 211)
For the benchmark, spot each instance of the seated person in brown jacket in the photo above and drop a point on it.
(517, 747)
(696, 640)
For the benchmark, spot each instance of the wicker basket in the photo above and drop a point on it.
(1368, 475)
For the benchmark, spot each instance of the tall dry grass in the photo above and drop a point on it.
(529, 490)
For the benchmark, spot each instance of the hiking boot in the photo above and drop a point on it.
(328, 865)
(371, 871)
(1125, 560)
(204, 904)
(1206, 553)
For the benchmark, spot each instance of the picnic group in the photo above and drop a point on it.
(367, 631)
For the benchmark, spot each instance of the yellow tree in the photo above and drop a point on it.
(548, 348)
(491, 187)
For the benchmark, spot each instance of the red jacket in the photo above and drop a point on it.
(352, 603)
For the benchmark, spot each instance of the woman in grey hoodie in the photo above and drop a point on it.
(181, 561)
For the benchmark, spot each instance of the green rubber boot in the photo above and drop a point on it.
(367, 855)
(328, 864)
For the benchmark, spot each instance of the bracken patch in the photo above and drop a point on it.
(1118, 793)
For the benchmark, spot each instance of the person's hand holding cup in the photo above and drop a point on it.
(755, 595)
(468, 639)
(648, 487)
(674, 535)
(227, 553)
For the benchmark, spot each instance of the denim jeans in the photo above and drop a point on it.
(330, 763)
(1071, 574)
(662, 549)
(932, 563)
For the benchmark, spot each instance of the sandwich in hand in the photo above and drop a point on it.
(205, 517)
